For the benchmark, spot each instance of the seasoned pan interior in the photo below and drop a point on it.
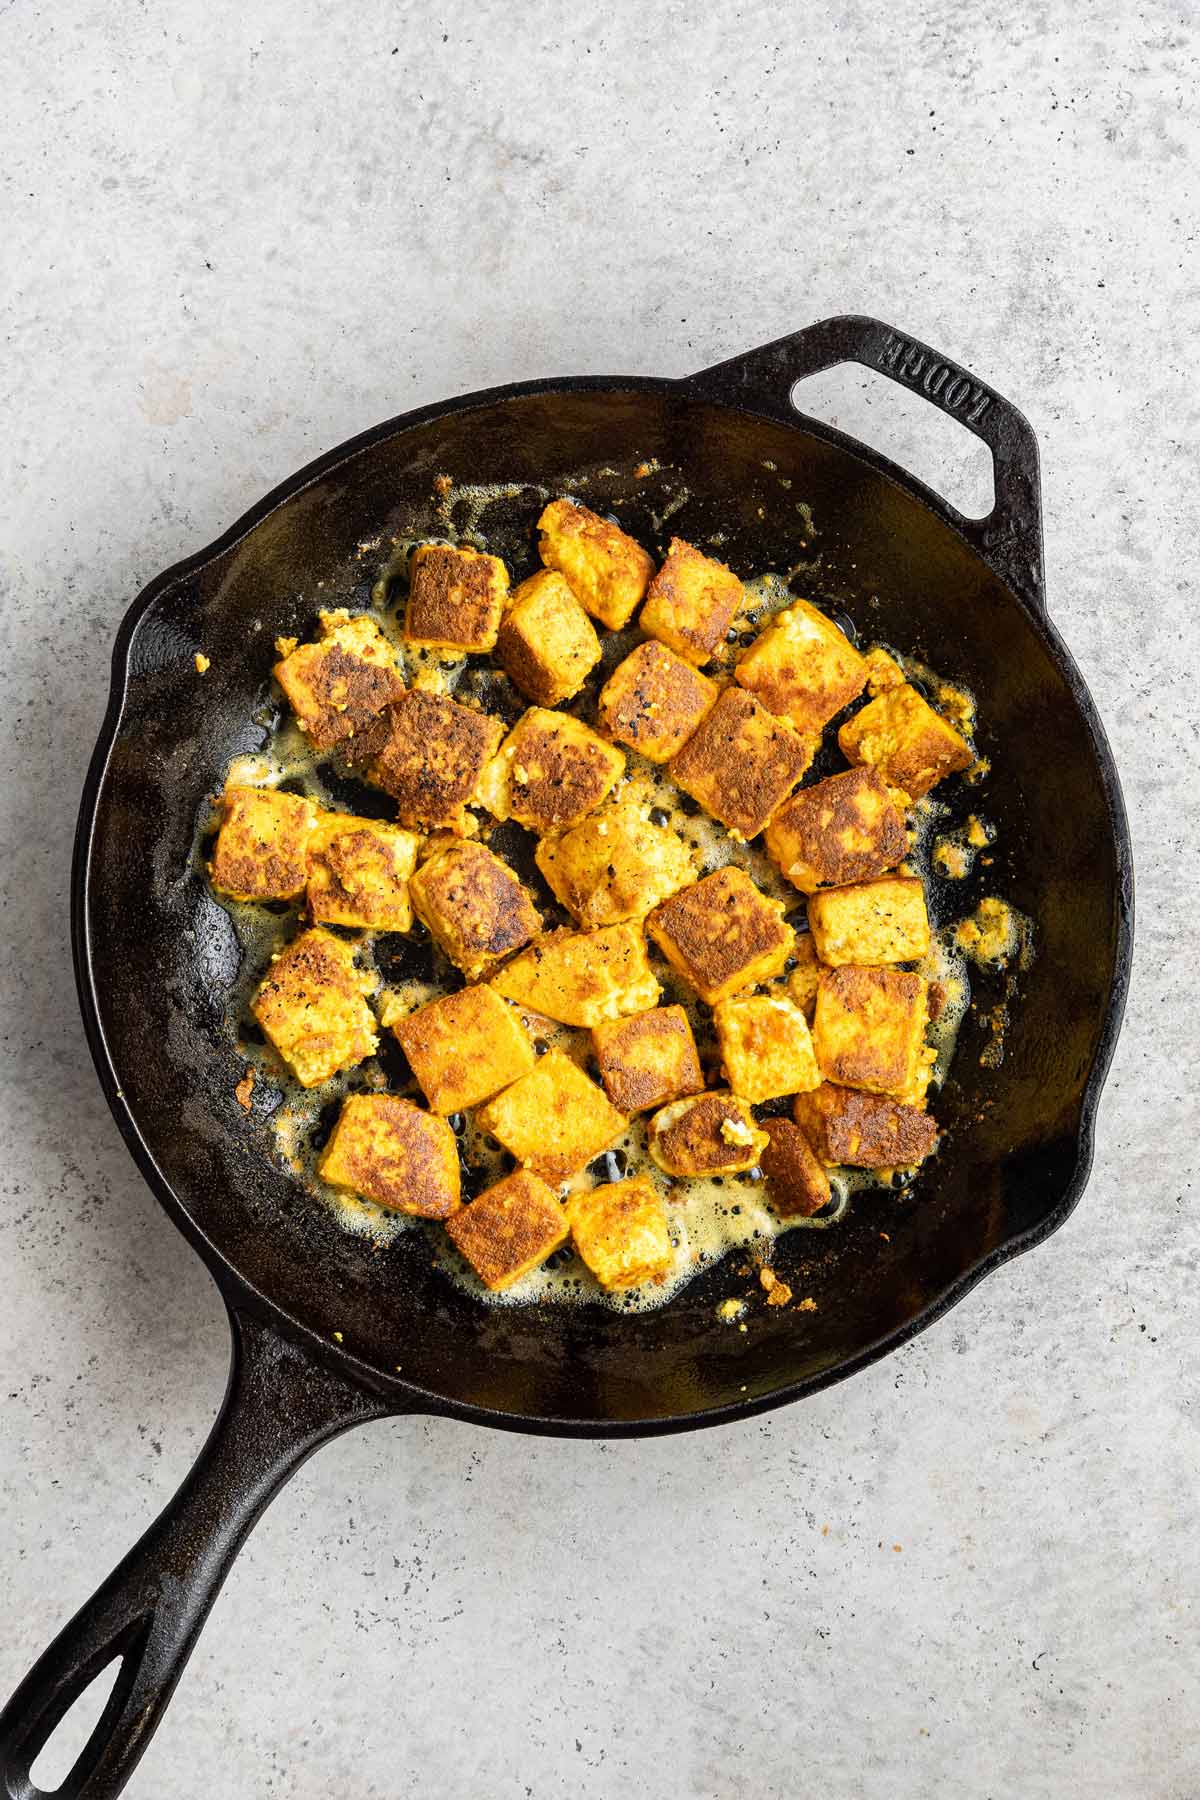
(164, 953)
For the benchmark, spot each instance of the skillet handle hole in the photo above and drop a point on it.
(58, 1756)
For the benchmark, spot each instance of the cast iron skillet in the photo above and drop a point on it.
(327, 1334)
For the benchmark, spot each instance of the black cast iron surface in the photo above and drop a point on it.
(155, 956)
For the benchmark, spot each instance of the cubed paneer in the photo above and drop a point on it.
(869, 1029)
(802, 982)
(432, 758)
(463, 1047)
(647, 1059)
(722, 934)
(547, 643)
(621, 1232)
(765, 1046)
(551, 771)
(339, 684)
(311, 1005)
(796, 1183)
(691, 603)
(872, 922)
(741, 762)
(803, 668)
(553, 1120)
(582, 977)
(358, 872)
(474, 906)
(510, 1229)
(387, 1150)
(261, 851)
(615, 865)
(863, 1131)
(840, 830)
(713, 1134)
(654, 700)
(455, 598)
(910, 746)
(607, 570)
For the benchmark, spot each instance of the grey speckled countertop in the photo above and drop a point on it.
(232, 236)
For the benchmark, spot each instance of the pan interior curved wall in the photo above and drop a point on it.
(164, 952)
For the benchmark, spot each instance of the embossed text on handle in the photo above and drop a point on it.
(945, 384)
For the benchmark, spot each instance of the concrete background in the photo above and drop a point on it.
(233, 235)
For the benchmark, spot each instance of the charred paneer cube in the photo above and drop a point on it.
(621, 1232)
(712, 1134)
(803, 668)
(432, 758)
(358, 872)
(654, 700)
(765, 1044)
(722, 934)
(741, 762)
(803, 980)
(863, 1131)
(455, 598)
(691, 603)
(311, 1005)
(550, 772)
(872, 922)
(510, 1229)
(340, 684)
(909, 746)
(796, 1183)
(473, 905)
(606, 568)
(553, 1120)
(840, 830)
(463, 1047)
(869, 1030)
(647, 1059)
(547, 644)
(615, 865)
(582, 977)
(261, 852)
(387, 1150)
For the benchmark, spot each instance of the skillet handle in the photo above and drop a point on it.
(1010, 538)
(280, 1406)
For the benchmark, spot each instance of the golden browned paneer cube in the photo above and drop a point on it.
(741, 762)
(463, 1047)
(797, 1185)
(510, 1229)
(713, 1134)
(840, 830)
(722, 934)
(647, 1059)
(474, 906)
(432, 758)
(582, 977)
(390, 1151)
(607, 570)
(869, 1029)
(311, 1005)
(553, 1120)
(881, 921)
(910, 746)
(803, 668)
(455, 598)
(803, 980)
(654, 700)
(550, 772)
(358, 872)
(615, 865)
(765, 1046)
(547, 643)
(620, 1231)
(691, 603)
(338, 685)
(261, 851)
(865, 1131)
